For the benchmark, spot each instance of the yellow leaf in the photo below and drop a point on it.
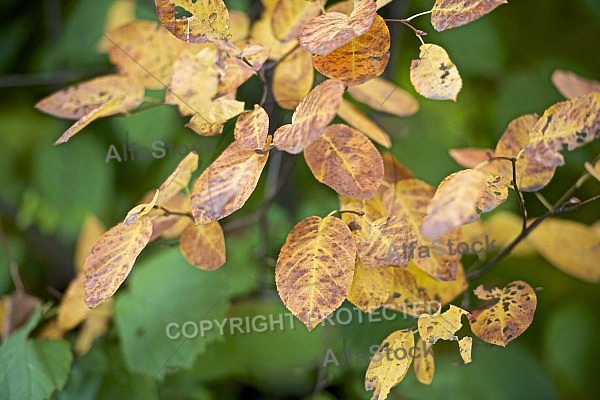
(239, 25)
(50, 330)
(325, 33)
(572, 247)
(434, 75)
(363, 58)
(424, 365)
(211, 117)
(387, 367)
(90, 232)
(315, 267)
(406, 296)
(382, 95)
(345, 160)
(572, 85)
(72, 310)
(203, 245)
(311, 117)
(140, 210)
(293, 79)
(354, 117)
(507, 315)
(447, 14)
(290, 16)
(119, 13)
(393, 170)
(460, 198)
(370, 287)
(209, 20)
(226, 184)
(111, 259)
(262, 33)
(241, 67)
(464, 346)
(179, 179)
(169, 225)
(94, 326)
(252, 128)
(441, 326)
(144, 51)
(593, 170)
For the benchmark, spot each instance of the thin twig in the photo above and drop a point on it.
(14, 267)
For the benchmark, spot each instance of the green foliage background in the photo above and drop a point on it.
(505, 59)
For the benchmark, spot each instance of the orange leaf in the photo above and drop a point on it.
(111, 259)
(252, 128)
(315, 267)
(203, 245)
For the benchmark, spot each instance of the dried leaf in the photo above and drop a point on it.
(290, 16)
(434, 75)
(203, 245)
(345, 160)
(293, 79)
(507, 316)
(226, 184)
(385, 371)
(241, 67)
(447, 14)
(179, 179)
(144, 51)
(311, 117)
(328, 31)
(363, 58)
(252, 128)
(15, 311)
(466, 193)
(572, 85)
(354, 117)
(424, 365)
(315, 267)
(441, 326)
(464, 346)
(111, 259)
(382, 95)
(572, 247)
(90, 232)
(209, 20)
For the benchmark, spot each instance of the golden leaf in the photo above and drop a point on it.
(370, 287)
(434, 75)
(460, 198)
(262, 33)
(226, 184)
(209, 20)
(90, 232)
(441, 326)
(393, 170)
(179, 179)
(203, 245)
(315, 267)
(293, 79)
(386, 371)
(252, 128)
(171, 224)
(382, 95)
(572, 85)
(239, 25)
(345, 160)
(572, 247)
(311, 117)
(111, 259)
(140, 210)
(72, 310)
(424, 366)
(507, 316)
(447, 14)
(144, 51)
(363, 58)
(354, 117)
(464, 346)
(290, 16)
(325, 33)
(213, 116)
(119, 13)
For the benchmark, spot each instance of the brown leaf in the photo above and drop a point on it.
(209, 20)
(203, 245)
(311, 117)
(460, 198)
(393, 170)
(140, 210)
(382, 95)
(328, 31)
(572, 85)
(226, 184)
(447, 14)
(363, 58)
(345, 160)
(386, 369)
(354, 117)
(111, 259)
(293, 79)
(15, 311)
(507, 316)
(252, 128)
(315, 267)
(434, 75)
(290, 16)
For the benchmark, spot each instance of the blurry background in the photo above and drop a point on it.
(505, 60)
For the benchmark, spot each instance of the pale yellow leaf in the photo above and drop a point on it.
(140, 210)
(209, 20)
(434, 75)
(382, 95)
(293, 79)
(90, 232)
(290, 16)
(179, 179)
(72, 309)
(357, 119)
(464, 346)
(441, 326)
(424, 365)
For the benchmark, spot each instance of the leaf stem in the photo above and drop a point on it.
(419, 33)
(417, 15)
